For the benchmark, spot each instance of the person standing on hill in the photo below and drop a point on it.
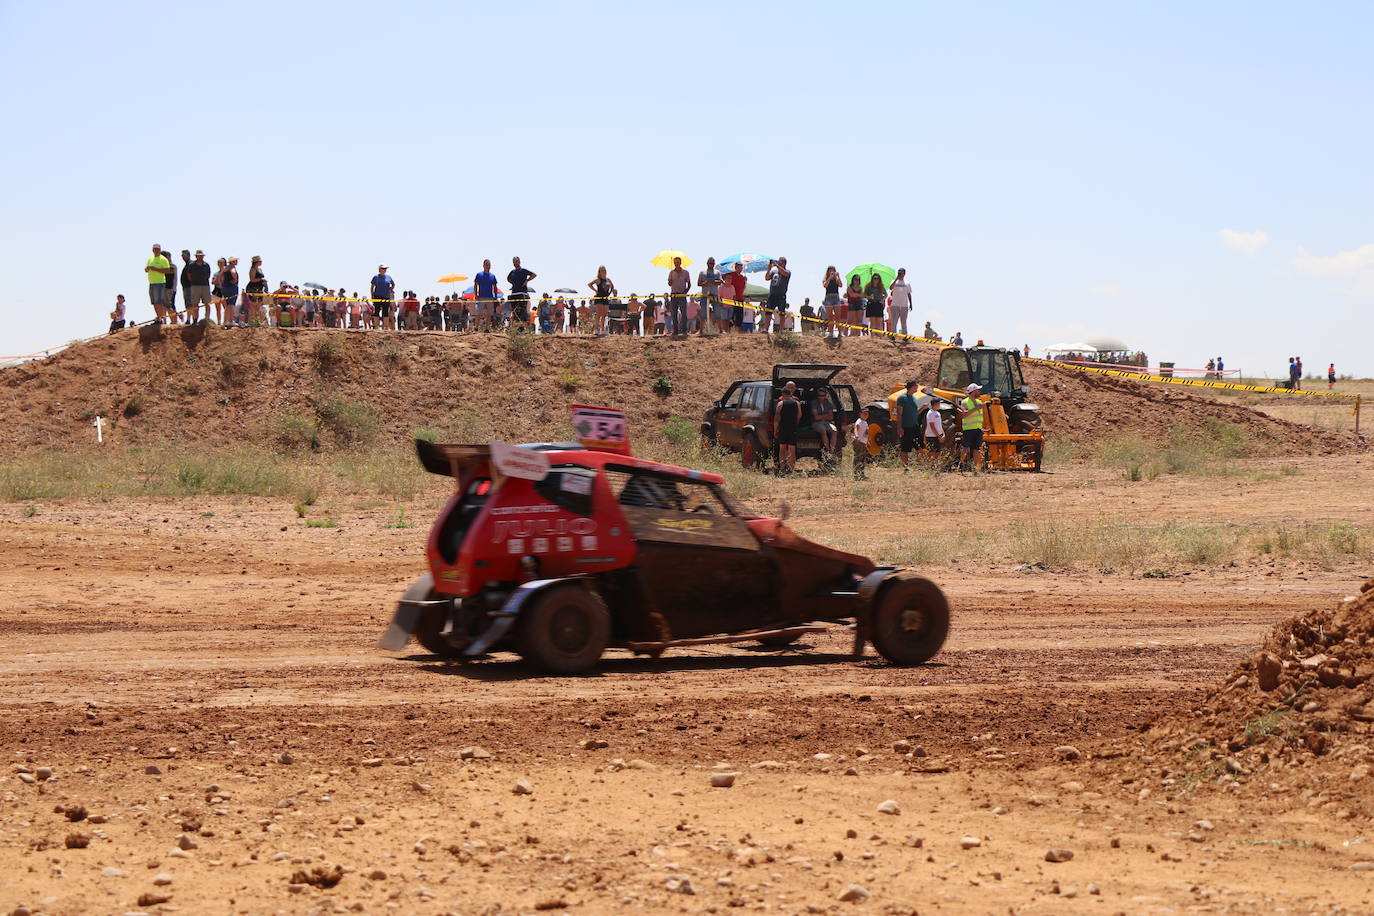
(679, 284)
(709, 281)
(484, 288)
(734, 284)
(383, 292)
(1330, 373)
(1221, 368)
(255, 299)
(876, 294)
(156, 271)
(195, 280)
(169, 293)
(185, 282)
(602, 290)
(117, 321)
(854, 300)
(929, 333)
(901, 303)
(830, 305)
(1294, 374)
(229, 290)
(1298, 361)
(778, 277)
(519, 279)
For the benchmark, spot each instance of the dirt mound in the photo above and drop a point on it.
(217, 386)
(1303, 703)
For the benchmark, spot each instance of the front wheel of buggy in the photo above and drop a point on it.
(910, 621)
(429, 629)
(564, 630)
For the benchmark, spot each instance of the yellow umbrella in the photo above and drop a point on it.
(665, 258)
(453, 278)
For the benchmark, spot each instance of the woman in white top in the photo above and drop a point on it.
(901, 303)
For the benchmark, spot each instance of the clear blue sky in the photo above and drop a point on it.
(1193, 178)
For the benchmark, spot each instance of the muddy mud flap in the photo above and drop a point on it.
(406, 620)
(863, 615)
(503, 620)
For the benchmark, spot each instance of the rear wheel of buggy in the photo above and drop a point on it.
(430, 627)
(910, 621)
(564, 630)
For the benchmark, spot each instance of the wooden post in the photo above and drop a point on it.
(1357, 415)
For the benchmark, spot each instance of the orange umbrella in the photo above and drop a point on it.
(453, 278)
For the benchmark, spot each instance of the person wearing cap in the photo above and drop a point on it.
(383, 291)
(971, 413)
(195, 282)
(156, 269)
(908, 422)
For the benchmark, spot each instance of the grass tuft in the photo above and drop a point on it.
(349, 422)
(328, 352)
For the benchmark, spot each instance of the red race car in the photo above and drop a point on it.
(562, 550)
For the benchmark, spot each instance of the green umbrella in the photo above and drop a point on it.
(866, 272)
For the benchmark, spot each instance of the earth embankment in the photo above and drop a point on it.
(220, 387)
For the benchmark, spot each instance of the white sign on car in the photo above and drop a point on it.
(518, 461)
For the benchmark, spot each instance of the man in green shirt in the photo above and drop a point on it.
(157, 269)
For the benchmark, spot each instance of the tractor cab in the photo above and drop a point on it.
(996, 370)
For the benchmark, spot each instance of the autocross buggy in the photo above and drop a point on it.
(562, 550)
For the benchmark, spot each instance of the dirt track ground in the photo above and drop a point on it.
(207, 645)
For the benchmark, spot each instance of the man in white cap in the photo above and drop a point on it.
(383, 294)
(971, 413)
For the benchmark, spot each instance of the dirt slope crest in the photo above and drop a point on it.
(233, 386)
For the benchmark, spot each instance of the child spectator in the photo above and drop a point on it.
(934, 429)
(117, 321)
(859, 439)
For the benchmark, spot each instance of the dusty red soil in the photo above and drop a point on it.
(218, 386)
(208, 638)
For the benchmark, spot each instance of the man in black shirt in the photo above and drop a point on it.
(778, 277)
(519, 279)
(170, 295)
(195, 286)
(787, 417)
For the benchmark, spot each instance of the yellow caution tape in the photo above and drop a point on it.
(1190, 382)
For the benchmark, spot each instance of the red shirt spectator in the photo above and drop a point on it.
(733, 285)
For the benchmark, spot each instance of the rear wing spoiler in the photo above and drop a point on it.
(445, 459)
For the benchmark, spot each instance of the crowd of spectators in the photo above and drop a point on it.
(720, 303)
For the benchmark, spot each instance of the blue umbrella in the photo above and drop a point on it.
(753, 261)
